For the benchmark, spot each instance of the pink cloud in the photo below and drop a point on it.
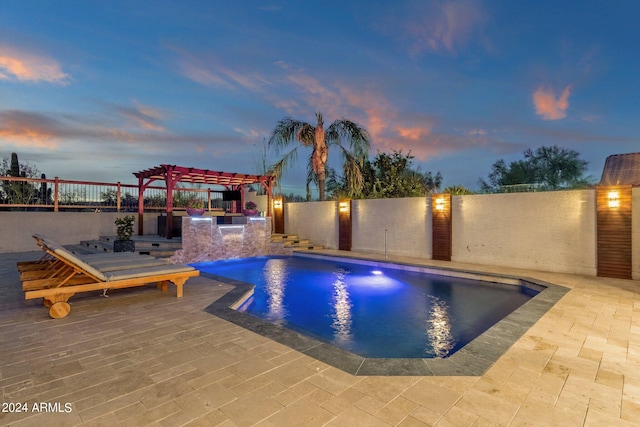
(413, 133)
(143, 116)
(388, 129)
(202, 75)
(28, 130)
(547, 106)
(208, 71)
(26, 67)
(445, 26)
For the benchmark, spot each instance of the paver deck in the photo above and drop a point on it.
(142, 357)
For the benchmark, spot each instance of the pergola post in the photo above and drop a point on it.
(141, 189)
(170, 183)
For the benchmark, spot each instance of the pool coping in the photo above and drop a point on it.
(474, 359)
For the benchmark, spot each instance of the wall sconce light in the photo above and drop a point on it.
(277, 204)
(614, 199)
(343, 206)
(439, 204)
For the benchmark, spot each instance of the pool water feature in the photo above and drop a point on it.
(373, 311)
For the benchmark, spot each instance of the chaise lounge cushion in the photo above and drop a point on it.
(147, 271)
(118, 267)
(69, 256)
(130, 264)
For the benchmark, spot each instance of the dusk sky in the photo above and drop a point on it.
(96, 90)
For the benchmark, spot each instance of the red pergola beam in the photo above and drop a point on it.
(173, 174)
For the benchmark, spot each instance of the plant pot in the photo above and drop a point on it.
(124, 246)
(250, 212)
(195, 211)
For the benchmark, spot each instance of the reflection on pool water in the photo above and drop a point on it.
(371, 311)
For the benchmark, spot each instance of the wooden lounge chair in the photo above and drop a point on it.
(60, 274)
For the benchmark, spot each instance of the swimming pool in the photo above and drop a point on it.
(372, 311)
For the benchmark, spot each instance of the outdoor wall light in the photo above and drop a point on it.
(343, 206)
(277, 204)
(614, 199)
(439, 204)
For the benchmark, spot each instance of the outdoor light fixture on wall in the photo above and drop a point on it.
(439, 204)
(277, 203)
(614, 199)
(343, 206)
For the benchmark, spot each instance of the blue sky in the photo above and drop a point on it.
(96, 90)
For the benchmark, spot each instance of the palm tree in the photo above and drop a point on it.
(341, 132)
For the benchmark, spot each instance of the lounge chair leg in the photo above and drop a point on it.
(179, 282)
(59, 310)
(164, 286)
(47, 302)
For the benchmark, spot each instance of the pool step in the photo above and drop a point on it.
(277, 237)
(305, 247)
(293, 243)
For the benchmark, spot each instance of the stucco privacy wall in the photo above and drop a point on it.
(407, 221)
(549, 231)
(66, 228)
(635, 233)
(317, 221)
(260, 200)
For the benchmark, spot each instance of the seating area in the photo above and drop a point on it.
(60, 274)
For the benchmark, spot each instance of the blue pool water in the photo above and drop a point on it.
(371, 311)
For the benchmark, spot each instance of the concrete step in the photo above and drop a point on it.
(291, 242)
(97, 246)
(79, 249)
(305, 247)
(275, 237)
(147, 246)
(148, 243)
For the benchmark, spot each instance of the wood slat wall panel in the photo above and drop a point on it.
(278, 219)
(614, 232)
(345, 230)
(441, 227)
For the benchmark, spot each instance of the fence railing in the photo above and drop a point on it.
(42, 194)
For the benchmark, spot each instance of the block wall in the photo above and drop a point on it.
(549, 231)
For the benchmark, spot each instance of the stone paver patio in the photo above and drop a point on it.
(144, 357)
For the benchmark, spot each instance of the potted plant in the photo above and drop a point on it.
(124, 230)
(250, 209)
(195, 207)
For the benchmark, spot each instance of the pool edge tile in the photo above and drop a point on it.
(474, 359)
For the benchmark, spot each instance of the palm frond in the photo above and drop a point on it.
(284, 163)
(312, 176)
(345, 131)
(286, 132)
(306, 134)
(353, 176)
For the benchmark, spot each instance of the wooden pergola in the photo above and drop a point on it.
(172, 175)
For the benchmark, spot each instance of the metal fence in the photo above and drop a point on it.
(42, 194)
